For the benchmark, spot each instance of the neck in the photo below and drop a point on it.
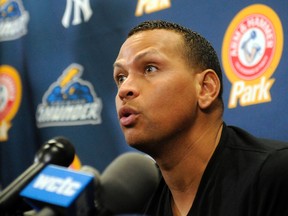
(185, 165)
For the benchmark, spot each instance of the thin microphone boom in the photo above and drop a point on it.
(57, 151)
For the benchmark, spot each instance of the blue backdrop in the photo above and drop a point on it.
(56, 70)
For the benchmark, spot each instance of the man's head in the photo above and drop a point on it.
(196, 49)
(162, 97)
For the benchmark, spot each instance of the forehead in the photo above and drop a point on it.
(158, 39)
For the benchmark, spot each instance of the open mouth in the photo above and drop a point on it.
(127, 116)
(126, 112)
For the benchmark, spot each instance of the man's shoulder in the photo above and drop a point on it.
(240, 139)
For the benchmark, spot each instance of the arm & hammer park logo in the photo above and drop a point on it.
(251, 50)
(151, 6)
(10, 98)
(69, 101)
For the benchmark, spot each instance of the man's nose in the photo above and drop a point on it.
(128, 89)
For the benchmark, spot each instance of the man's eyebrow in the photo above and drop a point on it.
(137, 57)
(117, 64)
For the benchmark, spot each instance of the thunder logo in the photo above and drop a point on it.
(69, 101)
(13, 20)
(9, 9)
(70, 89)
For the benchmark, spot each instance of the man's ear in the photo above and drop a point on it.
(209, 88)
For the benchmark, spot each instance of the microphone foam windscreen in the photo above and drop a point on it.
(128, 183)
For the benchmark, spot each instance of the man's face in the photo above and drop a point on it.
(156, 99)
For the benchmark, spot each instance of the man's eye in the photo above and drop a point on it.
(120, 78)
(150, 68)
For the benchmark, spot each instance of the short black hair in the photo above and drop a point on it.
(198, 50)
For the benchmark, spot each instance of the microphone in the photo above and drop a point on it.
(124, 187)
(60, 191)
(57, 151)
(127, 185)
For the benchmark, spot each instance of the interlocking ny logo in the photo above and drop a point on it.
(73, 11)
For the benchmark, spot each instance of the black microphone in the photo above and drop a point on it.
(126, 185)
(58, 151)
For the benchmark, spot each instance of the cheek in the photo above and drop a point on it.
(170, 118)
(118, 101)
(174, 93)
(173, 103)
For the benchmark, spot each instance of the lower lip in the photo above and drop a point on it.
(128, 121)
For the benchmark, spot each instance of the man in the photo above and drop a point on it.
(170, 106)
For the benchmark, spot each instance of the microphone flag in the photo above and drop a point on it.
(66, 191)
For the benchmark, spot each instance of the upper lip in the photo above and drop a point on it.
(126, 111)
